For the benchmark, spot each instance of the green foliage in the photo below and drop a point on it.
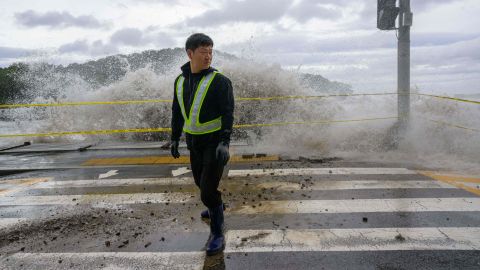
(11, 87)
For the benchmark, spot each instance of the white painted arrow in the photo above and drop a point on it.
(108, 174)
(180, 171)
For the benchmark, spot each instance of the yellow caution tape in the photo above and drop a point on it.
(140, 130)
(90, 132)
(450, 98)
(313, 122)
(453, 125)
(86, 103)
(9, 106)
(312, 97)
(124, 102)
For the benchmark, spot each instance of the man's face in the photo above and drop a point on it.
(201, 57)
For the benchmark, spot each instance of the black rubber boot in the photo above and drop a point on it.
(217, 241)
(205, 214)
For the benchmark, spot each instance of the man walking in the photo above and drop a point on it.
(203, 107)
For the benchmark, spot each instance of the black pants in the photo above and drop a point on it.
(207, 172)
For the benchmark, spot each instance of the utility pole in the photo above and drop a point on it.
(387, 12)
(403, 89)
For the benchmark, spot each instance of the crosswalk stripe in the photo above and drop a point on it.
(307, 240)
(318, 171)
(376, 239)
(355, 184)
(110, 260)
(106, 199)
(116, 182)
(271, 207)
(8, 187)
(360, 205)
(279, 185)
(7, 222)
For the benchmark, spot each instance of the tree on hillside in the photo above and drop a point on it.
(11, 87)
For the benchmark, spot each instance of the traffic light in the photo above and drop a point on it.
(387, 13)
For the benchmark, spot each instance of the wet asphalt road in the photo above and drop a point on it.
(300, 215)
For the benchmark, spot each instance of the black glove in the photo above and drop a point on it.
(174, 149)
(222, 154)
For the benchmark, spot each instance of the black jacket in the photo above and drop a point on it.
(219, 101)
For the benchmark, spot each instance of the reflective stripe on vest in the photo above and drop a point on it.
(192, 122)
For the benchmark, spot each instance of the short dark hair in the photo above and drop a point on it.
(197, 40)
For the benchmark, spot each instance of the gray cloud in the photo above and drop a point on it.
(433, 39)
(308, 9)
(288, 42)
(82, 47)
(9, 52)
(135, 37)
(77, 46)
(100, 48)
(128, 36)
(367, 16)
(271, 11)
(56, 19)
(165, 2)
(242, 11)
(424, 5)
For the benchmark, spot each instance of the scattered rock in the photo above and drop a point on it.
(107, 243)
(399, 237)
(147, 244)
(365, 219)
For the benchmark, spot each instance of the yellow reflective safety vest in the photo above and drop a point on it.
(192, 120)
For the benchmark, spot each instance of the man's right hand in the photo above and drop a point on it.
(174, 149)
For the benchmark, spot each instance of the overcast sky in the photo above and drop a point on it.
(335, 38)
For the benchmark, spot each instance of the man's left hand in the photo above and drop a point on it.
(222, 154)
